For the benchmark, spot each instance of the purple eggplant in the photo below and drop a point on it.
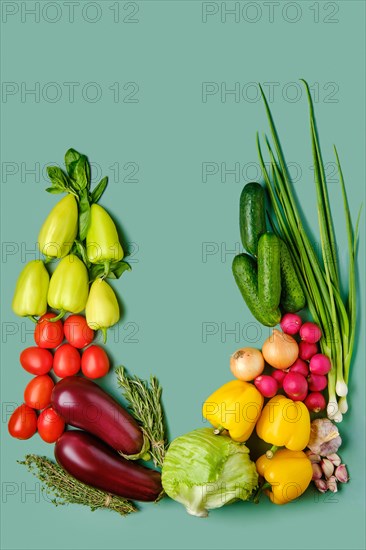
(83, 404)
(92, 462)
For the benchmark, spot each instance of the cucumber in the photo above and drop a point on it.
(252, 216)
(245, 274)
(269, 270)
(292, 295)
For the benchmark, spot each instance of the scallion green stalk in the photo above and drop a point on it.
(319, 277)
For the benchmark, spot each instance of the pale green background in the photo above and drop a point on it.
(170, 213)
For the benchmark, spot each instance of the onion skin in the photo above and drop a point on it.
(246, 364)
(90, 461)
(83, 404)
(280, 350)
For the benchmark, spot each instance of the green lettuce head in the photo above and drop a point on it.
(204, 471)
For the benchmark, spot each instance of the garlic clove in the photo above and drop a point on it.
(341, 473)
(317, 471)
(321, 485)
(335, 459)
(327, 467)
(332, 484)
(313, 457)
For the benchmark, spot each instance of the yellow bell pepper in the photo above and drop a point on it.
(69, 286)
(284, 423)
(59, 230)
(30, 296)
(102, 242)
(287, 472)
(102, 309)
(235, 407)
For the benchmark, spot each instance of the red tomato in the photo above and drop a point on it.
(47, 334)
(36, 360)
(37, 393)
(23, 422)
(50, 425)
(66, 361)
(94, 362)
(77, 331)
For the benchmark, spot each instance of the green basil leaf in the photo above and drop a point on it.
(81, 252)
(99, 190)
(54, 190)
(117, 269)
(84, 214)
(57, 177)
(81, 173)
(96, 271)
(70, 157)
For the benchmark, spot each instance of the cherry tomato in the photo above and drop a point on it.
(36, 360)
(94, 362)
(50, 425)
(23, 422)
(47, 334)
(66, 361)
(77, 331)
(37, 393)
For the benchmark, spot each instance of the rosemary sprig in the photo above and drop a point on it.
(144, 402)
(65, 489)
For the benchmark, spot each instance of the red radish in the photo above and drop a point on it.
(315, 402)
(267, 385)
(320, 364)
(317, 382)
(310, 333)
(295, 386)
(291, 323)
(279, 375)
(307, 350)
(300, 366)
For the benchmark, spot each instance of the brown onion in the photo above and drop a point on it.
(280, 350)
(247, 363)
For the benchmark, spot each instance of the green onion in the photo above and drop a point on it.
(319, 277)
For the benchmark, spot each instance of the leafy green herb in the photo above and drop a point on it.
(59, 180)
(81, 173)
(71, 156)
(115, 270)
(65, 489)
(84, 214)
(80, 251)
(145, 405)
(99, 190)
(320, 279)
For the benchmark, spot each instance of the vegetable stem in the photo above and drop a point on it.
(319, 277)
